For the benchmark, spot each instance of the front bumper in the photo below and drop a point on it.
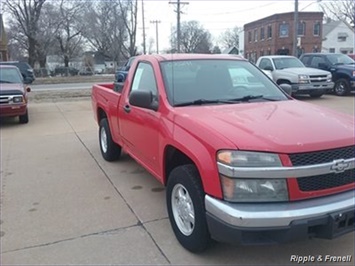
(8, 110)
(312, 87)
(326, 217)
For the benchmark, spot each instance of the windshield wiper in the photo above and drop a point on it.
(251, 97)
(226, 101)
(201, 102)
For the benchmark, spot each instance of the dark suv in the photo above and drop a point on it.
(25, 69)
(341, 66)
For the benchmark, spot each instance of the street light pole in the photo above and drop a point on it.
(295, 29)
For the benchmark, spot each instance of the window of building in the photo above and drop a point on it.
(301, 28)
(283, 30)
(255, 35)
(249, 36)
(262, 33)
(269, 31)
(342, 36)
(316, 29)
(331, 50)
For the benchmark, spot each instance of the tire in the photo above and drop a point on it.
(109, 149)
(186, 208)
(24, 118)
(315, 95)
(341, 87)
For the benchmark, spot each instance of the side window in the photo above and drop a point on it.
(265, 63)
(316, 61)
(144, 79)
(305, 60)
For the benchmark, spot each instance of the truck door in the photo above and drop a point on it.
(139, 126)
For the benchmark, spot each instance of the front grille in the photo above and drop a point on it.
(318, 157)
(318, 78)
(320, 182)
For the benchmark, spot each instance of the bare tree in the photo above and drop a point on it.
(70, 29)
(194, 38)
(105, 29)
(129, 9)
(49, 24)
(16, 45)
(339, 9)
(25, 15)
(230, 38)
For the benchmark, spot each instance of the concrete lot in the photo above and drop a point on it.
(61, 203)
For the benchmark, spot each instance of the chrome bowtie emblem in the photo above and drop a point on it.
(339, 166)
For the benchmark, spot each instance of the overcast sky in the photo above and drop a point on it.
(216, 16)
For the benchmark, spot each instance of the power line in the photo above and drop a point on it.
(156, 22)
(178, 11)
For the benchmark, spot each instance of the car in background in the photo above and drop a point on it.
(13, 93)
(340, 65)
(121, 74)
(286, 69)
(25, 69)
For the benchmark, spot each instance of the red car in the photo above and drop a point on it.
(13, 93)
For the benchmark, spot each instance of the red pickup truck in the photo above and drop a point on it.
(241, 160)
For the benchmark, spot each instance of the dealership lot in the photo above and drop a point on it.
(61, 203)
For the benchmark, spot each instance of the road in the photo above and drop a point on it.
(61, 203)
(62, 86)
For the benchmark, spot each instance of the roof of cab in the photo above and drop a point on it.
(176, 57)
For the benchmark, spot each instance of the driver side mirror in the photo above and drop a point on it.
(269, 68)
(143, 99)
(286, 88)
(322, 66)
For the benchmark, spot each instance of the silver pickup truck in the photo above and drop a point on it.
(290, 70)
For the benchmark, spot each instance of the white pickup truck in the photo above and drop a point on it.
(290, 70)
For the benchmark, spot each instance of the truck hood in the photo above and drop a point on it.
(282, 127)
(8, 87)
(304, 71)
(346, 67)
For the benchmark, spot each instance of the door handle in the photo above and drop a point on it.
(127, 108)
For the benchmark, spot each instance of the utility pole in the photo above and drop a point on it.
(178, 11)
(295, 31)
(156, 32)
(144, 49)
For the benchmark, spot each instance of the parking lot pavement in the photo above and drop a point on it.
(61, 203)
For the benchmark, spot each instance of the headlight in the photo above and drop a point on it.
(303, 78)
(329, 78)
(353, 73)
(248, 159)
(254, 190)
(17, 99)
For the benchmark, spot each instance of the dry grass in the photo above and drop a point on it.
(74, 79)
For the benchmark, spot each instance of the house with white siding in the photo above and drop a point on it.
(338, 37)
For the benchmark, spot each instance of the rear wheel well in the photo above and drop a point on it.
(173, 159)
(101, 114)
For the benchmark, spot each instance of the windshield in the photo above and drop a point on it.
(340, 59)
(287, 62)
(216, 82)
(10, 75)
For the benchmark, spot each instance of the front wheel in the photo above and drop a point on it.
(186, 208)
(341, 87)
(109, 149)
(24, 118)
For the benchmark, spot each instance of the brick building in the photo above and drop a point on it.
(275, 34)
(3, 41)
